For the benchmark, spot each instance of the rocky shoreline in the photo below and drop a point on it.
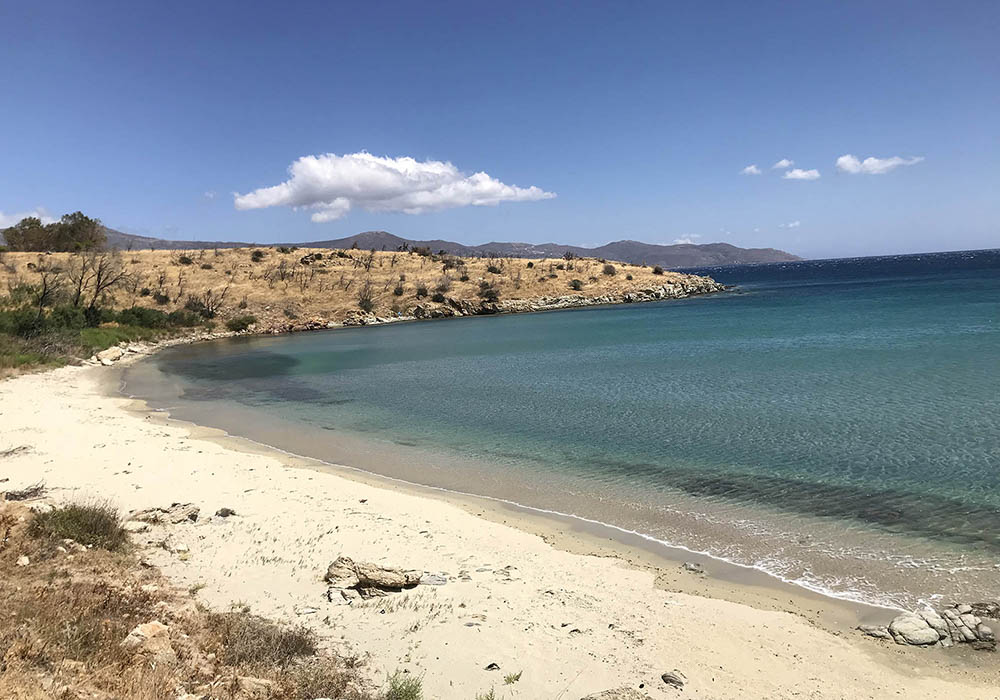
(450, 308)
(958, 624)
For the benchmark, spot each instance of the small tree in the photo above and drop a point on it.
(366, 297)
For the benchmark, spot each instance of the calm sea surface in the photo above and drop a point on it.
(835, 423)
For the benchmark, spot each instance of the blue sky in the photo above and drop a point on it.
(638, 117)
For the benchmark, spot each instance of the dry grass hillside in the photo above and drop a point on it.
(289, 288)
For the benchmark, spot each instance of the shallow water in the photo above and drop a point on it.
(836, 423)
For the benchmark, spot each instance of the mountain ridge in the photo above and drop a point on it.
(626, 250)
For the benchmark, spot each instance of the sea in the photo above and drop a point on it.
(834, 423)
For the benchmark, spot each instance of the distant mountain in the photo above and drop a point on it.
(681, 255)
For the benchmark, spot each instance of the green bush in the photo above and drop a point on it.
(657, 270)
(183, 318)
(398, 290)
(240, 323)
(185, 260)
(96, 525)
(257, 255)
(609, 270)
(206, 266)
(421, 291)
(576, 284)
(141, 316)
(438, 297)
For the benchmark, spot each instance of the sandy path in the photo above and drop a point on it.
(573, 624)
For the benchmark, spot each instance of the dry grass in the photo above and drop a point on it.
(289, 288)
(64, 615)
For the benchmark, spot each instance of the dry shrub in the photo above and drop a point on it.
(96, 525)
(254, 642)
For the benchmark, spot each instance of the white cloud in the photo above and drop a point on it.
(873, 166)
(210, 194)
(800, 174)
(751, 169)
(8, 220)
(332, 185)
(791, 224)
(782, 164)
(688, 239)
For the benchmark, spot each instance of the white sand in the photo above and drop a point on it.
(573, 624)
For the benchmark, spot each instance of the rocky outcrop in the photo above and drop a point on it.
(151, 640)
(366, 580)
(927, 627)
(176, 514)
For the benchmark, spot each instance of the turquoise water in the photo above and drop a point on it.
(836, 423)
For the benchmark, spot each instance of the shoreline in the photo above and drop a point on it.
(570, 532)
(769, 622)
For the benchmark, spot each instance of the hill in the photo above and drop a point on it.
(634, 252)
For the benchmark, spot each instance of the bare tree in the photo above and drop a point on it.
(107, 273)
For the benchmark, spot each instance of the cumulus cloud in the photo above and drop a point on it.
(332, 185)
(782, 164)
(873, 166)
(751, 169)
(791, 224)
(689, 239)
(8, 220)
(800, 174)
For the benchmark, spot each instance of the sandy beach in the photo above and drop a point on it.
(574, 612)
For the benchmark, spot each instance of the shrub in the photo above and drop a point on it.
(487, 292)
(421, 291)
(198, 306)
(531, 265)
(248, 640)
(657, 270)
(403, 686)
(398, 289)
(68, 317)
(207, 266)
(257, 255)
(185, 260)
(145, 292)
(628, 277)
(141, 316)
(161, 298)
(444, 284)
(494, 269)
(609, 270)
(286, 249)
(240, 323)
(463, 278)
(438, 297)
(183, 318)
(576, 284)
(366, 297)
(568, 255)
(97, 525)
(560, 266)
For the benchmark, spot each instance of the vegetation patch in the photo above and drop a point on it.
(95, 525)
